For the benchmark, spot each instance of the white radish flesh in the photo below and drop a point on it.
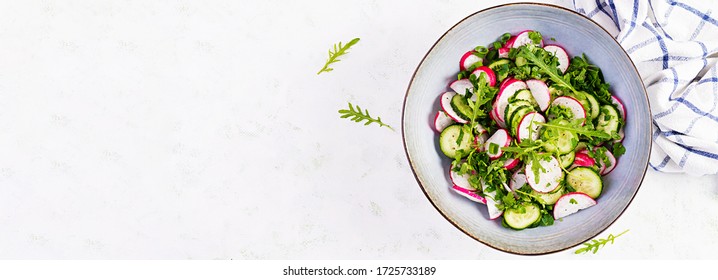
(518, 180)
(494, 212)
(619, 106)
(500, 138)
(479, 140)
(503, 52)
(442, 120)
(561, 55)
(511, 163)
(462, 86)
(468, 59)
(540, 92)
(460, 180)
(529, 126)
(523, 39)
(571, 203)
(446, 105)
(548, 179)
(611, 160)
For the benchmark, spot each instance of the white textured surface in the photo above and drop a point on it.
(180, 129)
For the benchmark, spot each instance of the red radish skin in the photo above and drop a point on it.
(528, 127)
(523, 39)
(503, 52)
(612, 159)
(490, 76)
(468, 59)
(565, 207)
(583, 159)
(619, 106)
(540, 92)
(511, 163)
(442, 121)
(502, 99)
(471, 195)
(506, 81)
(502, 139)
(510, 42)
(494, 116)
(446, 105)
(560, 53)
(461, 86)
(572, 104)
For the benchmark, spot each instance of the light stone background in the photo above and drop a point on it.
(200, 130)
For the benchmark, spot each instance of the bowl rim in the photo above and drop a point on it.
(412, 165)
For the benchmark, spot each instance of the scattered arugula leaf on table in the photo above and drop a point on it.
(356, 115)
(334, 55)
(594, 245)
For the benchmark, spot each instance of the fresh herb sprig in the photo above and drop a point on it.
(334, 55)
(594, 245)
(355, 114)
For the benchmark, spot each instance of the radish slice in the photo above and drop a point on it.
(461, 86)
(583, 159)
(571, 203)
(561, 54)
(502, 100)
(523, 39)
(572, 104)
(446, 105)
(442, 120)
(479, 129)
(490, 76)
(619, 106)
(518, 180)
(540, 92)
(494, 212)
(505, 82)
(460, 180)
(494, 116)
(502, 139)
(479, 140)
(548, 179)
(504, 53)
(470, 194)
(468, 59)
(528, 126)
(510, 42)
(511, 163)
(612, 160)
(622, 134)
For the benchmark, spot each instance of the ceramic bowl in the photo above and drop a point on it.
(577, 34)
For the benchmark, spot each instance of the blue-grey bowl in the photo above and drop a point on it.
(577, 34)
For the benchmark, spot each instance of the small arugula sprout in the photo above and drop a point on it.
(594, 245)
(334, 55)
(356, 115)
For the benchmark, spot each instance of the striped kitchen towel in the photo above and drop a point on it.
(674, 44)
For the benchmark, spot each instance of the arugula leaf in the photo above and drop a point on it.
(336, 53)
(356, 115)
(594, 245)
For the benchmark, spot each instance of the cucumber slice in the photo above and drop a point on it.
(512, 107)
(567, 159)
(595, 106)
(548, 198)
(524, 95)
(501, 68)
(609, 120)
(560, 140)
(449, 137)
(585, 180)
(517, 116)
(461, 107)
(518, 220)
